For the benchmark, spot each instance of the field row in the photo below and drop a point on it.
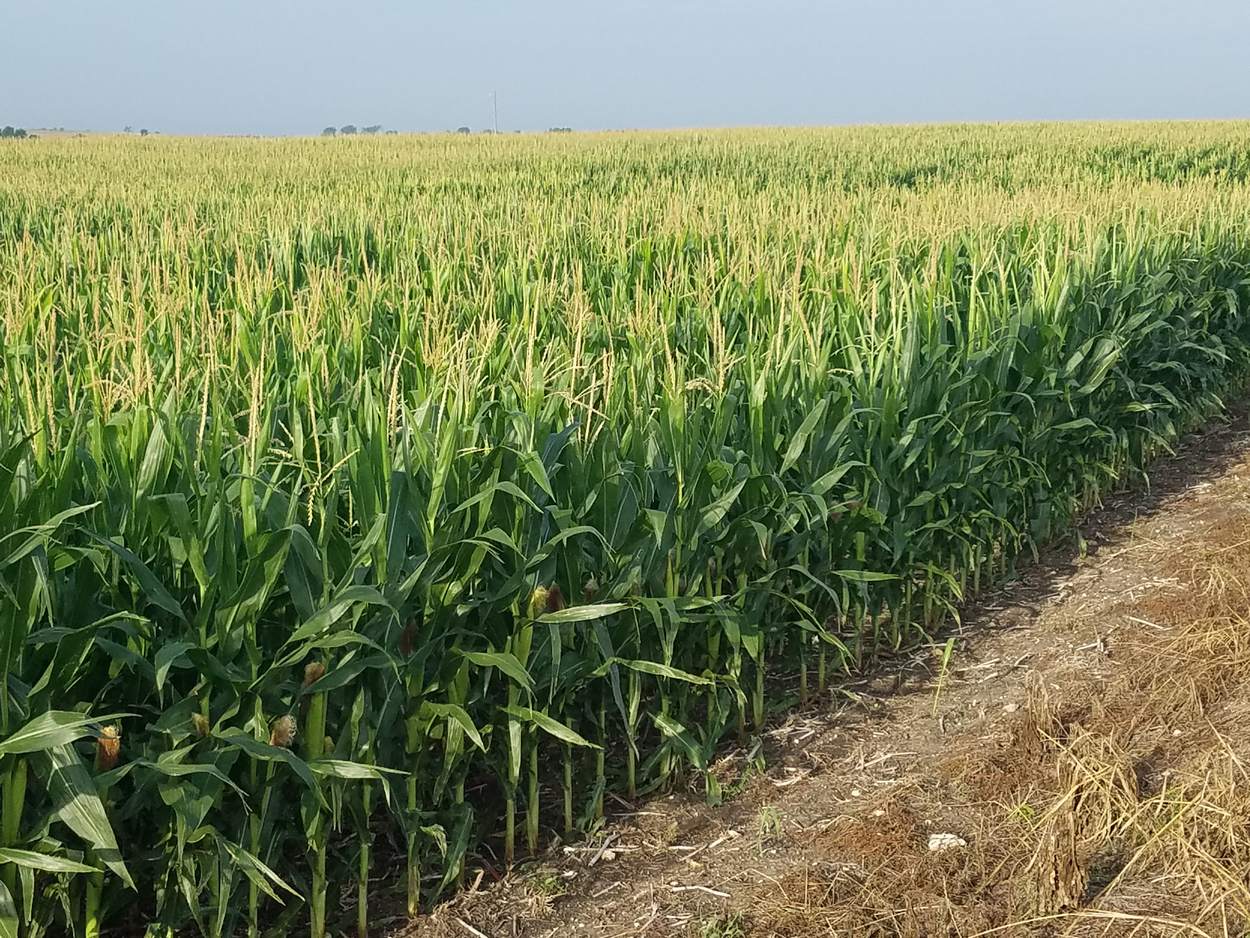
(395, 499)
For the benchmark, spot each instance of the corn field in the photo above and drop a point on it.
(370, 509)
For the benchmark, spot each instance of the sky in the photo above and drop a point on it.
(296, 66)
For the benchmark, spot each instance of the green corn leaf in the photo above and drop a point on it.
(153, 459)
(152, 588)
(447, 711)
(39, 534)
(457, 846)
(325, 642)
(338, 768)
(256, 871)
(505, 662)
(583, 613)
(662, 670)
(170, 766)
(264, 751)
(54, 729)
(799, 441)
(43, 862)
(865, 576)
(9, 923)
(169, 655)
(330, 614)
(508, 488)
(548, 725)
(76, 802)
(537, 471)
(715, 512)
(680, 735)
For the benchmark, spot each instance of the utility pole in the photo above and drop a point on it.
(494, 102)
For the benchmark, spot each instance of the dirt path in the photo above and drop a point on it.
(1076, 769)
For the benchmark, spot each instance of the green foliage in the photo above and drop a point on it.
(399, 486)
(729, 925)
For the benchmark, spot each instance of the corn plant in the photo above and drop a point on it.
(372, 508)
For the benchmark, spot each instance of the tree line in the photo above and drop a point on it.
(348, 130)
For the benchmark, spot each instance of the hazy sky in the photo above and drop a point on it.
(294, 66)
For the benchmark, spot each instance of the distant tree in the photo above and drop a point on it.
(8, 131)
(371, 129)
(144, 132)
(463, 130)
(19, 133)
(560, 130)
(347, 129)
(128, 129)
(329, 132)
(389, 132)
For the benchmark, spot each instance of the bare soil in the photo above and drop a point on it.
(1079, 767)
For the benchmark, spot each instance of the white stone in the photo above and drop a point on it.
(946, 841)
